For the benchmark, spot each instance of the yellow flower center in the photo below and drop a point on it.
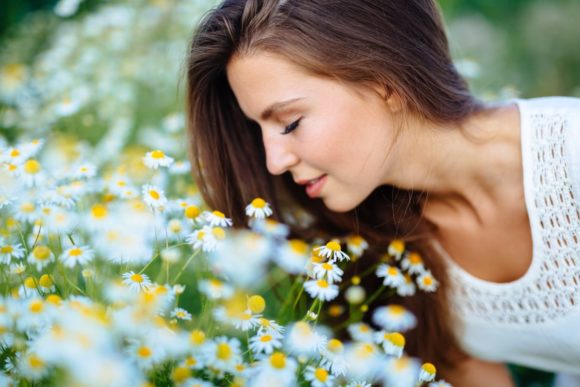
(32, 167)
(327, 266)
(6, 250)
(99, 211)
(224, 351)
(144, 352)
(154, 194)
(219, 233)
(157, 154)
(355, 280)
(415, 259)
(14, 153)
(427, 281)
(393, 271)
(397, 245)
(322, 284)
(41, 253)
(54, 299)
(219, 214)
(256, 304)
(30, 283)
(396, 338)
(258, 203)
(197, 337)
(356, 240)
(45, 281)
(298, 246)
(75, 252)
(191, 211)
(35, 306)
(35, 362)
(266, 339)
(334, 345)
(333, 246)
(321, 374)
(137, 278)
(278, 360)
(27, 207)
(429, 368)
(180, 374)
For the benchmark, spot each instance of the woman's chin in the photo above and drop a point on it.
(339, 205)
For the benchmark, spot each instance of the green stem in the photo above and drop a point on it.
(185, 266)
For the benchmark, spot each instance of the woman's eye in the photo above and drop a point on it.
(291, 127)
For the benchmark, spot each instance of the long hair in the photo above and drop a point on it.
(398, 44)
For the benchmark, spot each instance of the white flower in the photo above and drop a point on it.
(394, 318)
(32, 173)
(9, 251)
(270, 228)
(413, 263)
(181, 314)
(327, 270)
(361, 332)
(407, 287)
(276, 370)
(391, 274)
(156, 159)
(333, 357)
(427, 373)
(302, 339)
(206, 238)
(321, 289)
(180, 167)
(332, 251)
(84, 171)
(40, 256)
(356, 245)
(396, 248)
(440, 383)
(77, 255)
(154, 197)
(401, 372)
(269, 326)
(215, 289)
(393, 342)
(223, 353)
(293, 256)
(358, 383)
(136, 281)
(216, 218)
(259, 209)
(146, 354)
(318, 377)
(426, 282)
(265, 343)
(31, 366)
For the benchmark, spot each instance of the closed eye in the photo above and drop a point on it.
(290, 128)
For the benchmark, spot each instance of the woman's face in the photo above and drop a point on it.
(333, 139)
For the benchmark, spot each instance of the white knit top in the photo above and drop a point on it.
(535, 320)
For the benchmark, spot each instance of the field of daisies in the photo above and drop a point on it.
(113, 272)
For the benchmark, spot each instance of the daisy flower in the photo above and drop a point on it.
(321, 289)
(191, 211)
(275, 370)
(318, 377)
(407, 287)
(393, 342)
(358, 383)
(156, 159)
(270, 228)
(216, 218)
(332, 251)
(361, 332)
(440, 383)
(26, 210)
(258, 209)
(46, 283)
(40, 256)
(356, 245)
(9, 251)
(77, 255)
(245, 320)
(32, 173)
(401, 372)
(396, 248)
(333, 357)
(154, 197)
(146, 355)
(327, 270)
(265, 343)
(223, 353)
(84, 171)
(427, 373)
(31, 366)
(180, 167)
(215, 289)
(427, 282)
(302, 339)
(270, 327)
(207, 238)
(413, 263)
(391, 274)
(394, 318)
(181, 314)
(137, 282)
(293, 256)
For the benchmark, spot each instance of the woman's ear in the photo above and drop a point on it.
(390, 96)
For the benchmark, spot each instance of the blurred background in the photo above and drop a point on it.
(102, 79)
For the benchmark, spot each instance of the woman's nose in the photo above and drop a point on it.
(279, 153)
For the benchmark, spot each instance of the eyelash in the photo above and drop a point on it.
(292, 127)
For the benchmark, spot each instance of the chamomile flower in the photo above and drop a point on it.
(413, 263)
(270, 228)
(318, 377)
(440, 383)
(26, 210)
(394, 318)
(216, 219)
(245, 320)
(223, 353)
(427, 282)
(427, 373)
(40, 256)
(181, 314)
(401, 372)
(275, 370)
(83, 171)
(393, 342)
(77, 255)
(270, 327)
(356, 245)
(32, 173)
(302, 339)
(327, 270)
(137, 282)
(156, 159)
(293, 256)
(46, 283)
(258, 209)
(361, 332)
(154, 197)
(215, 289)
(180, 167)
(333, 357)
(206, 238)
(146, 354)
(265, 343)
(407, 287)
(321, 289)
(32, 366)
(391, 275)
(358, 383)
(9, 251)
(396, 248)
(332, 251)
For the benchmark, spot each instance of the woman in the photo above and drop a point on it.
(354, 111)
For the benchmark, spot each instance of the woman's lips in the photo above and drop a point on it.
(313, 187)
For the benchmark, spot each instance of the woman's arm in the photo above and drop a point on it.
(478, 373)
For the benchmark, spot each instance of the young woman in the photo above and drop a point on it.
(354, 111)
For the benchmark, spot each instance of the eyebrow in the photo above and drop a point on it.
(266, 114)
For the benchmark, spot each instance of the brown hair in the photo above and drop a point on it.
(398, 44)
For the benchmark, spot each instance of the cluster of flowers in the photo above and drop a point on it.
(80, 246)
